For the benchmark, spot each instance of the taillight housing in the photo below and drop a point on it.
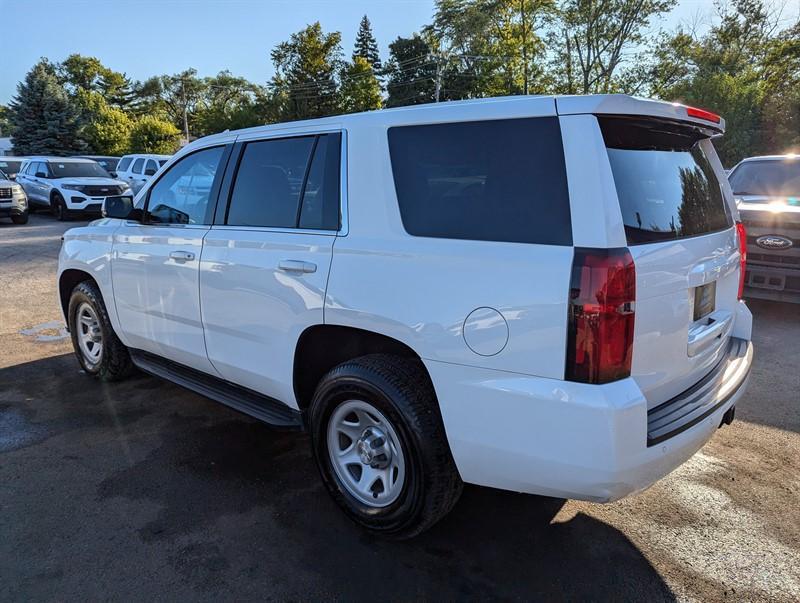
(741, 235)
(602, 303)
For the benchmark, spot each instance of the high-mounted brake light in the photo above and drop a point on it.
(602, 300)
(741, 235)
(703, 114)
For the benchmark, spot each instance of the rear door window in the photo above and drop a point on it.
(499, 180)
(124, 163)
(137, 166)
(666, 185)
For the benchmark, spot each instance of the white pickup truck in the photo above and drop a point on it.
(541, 294)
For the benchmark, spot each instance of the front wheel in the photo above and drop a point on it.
(20, 218)
(380, 445)
(59, 207)
(99, 350)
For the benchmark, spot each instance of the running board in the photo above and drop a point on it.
(246, 401)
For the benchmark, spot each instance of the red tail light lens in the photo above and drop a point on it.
(741, 235)
(601, 314)
(703, 114)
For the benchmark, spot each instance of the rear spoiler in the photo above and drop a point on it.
(622, 104)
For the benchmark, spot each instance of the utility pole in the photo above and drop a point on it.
(185, 111)
(524, 49)
(438, 89)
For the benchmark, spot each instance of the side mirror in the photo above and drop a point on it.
(118, 207)
(150, 172)
(41, 175)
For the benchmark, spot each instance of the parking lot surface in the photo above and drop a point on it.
(143, 490)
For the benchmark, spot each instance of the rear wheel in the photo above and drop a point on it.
(99, 350)
(59, 207)
(20, 218)
(380, 445)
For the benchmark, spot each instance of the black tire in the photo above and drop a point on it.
(401, 390)
(59, 207)
(115, 361)
(20, 218)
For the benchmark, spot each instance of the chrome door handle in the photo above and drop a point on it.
(718, 326)
(297, 266)
(181, 256)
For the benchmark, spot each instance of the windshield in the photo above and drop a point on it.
(768, 178)
(77, 169)
(3, 175)
(9, 167)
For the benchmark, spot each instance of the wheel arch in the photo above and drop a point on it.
(67, 281)
(322, 347)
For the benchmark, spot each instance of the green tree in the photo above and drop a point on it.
(5, 121)
(745, 68)
(496, 42)
(153, 135)
(45, 119)
(80, 72)
(366, 46)
(172, 97)
(229, 103)
(410, 72)
(360, 89)
(106, 129)
(593, 39)
(305, 73)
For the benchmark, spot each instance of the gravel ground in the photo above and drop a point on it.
(141, 490)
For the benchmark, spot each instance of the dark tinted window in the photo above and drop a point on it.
(9, 167)
(666, 186)
(151, 165)
(124, 163)
(320, 209)
(269, 181)
(498, 180)
(137, 166)
(182, 194)
(768, 178)
(77, 169)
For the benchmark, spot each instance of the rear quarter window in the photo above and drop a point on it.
(500, 180)
(666, 186)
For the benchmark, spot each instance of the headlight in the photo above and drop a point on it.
(16, 189)
(73, 187)
(124, 187)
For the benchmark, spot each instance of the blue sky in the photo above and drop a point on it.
(150, 37)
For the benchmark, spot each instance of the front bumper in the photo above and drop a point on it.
(573, 440)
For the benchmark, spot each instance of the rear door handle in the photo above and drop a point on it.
(297, 266)
(181, 256)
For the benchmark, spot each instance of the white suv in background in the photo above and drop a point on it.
(68, 186)
(540, 294)
(137, 169)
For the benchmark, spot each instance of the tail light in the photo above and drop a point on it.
(741, 235)
(703, 114)
(601, 314)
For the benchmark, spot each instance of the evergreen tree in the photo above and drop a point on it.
(46, 121)
(306, 67)
(360, 89)
(411, 72)
(366, 45)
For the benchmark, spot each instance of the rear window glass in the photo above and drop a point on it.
(666, 186)
(501, 180)
(768, 178)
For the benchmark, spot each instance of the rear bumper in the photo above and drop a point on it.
(570, 440)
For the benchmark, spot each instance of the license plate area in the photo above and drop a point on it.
(705, 297)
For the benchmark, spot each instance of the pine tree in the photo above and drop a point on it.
(366, 45)
(46, 121)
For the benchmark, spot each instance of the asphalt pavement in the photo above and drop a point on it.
(142, 490)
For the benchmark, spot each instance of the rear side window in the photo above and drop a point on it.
(666, 186)
(501, 180)
(124, 163)
(137, 166)
(288, 183)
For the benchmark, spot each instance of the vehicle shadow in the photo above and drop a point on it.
(240, 511)
(773, 395)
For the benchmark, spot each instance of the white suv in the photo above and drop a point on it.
(532, 293)
(68, 186)
(137, 169)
